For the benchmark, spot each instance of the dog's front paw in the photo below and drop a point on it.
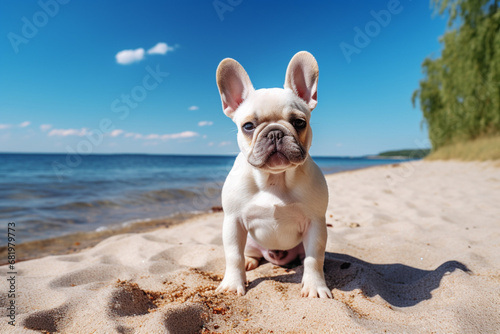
(314, 288)
(232, 284)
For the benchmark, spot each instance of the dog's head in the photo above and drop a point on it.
(273, 124)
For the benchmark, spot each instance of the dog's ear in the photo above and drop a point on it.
(234, 85)
(302, 77)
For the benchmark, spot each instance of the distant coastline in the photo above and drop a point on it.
(403, 154)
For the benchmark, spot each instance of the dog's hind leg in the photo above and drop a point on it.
(253, 254)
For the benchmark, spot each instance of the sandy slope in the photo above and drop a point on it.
(412, 248)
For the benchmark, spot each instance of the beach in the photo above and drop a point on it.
(412, 247)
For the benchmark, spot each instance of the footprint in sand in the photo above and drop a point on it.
(185, 319)
(129, 300)
(96, 273)
(47, 320)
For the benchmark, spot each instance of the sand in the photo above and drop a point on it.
(412, 248)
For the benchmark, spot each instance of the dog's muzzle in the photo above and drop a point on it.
(276, 146)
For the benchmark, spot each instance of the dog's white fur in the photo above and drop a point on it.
(273, 201)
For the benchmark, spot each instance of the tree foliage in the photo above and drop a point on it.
(460, 93)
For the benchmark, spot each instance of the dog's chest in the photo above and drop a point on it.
(274, 222)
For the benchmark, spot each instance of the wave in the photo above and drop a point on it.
(163, 196)
(85, 205)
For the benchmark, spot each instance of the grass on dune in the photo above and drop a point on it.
(482, 149)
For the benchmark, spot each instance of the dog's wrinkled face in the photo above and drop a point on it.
(273, 129)
(273, 124)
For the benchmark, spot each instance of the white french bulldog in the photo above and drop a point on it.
(275, 197)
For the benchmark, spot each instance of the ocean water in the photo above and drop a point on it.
(51, 195)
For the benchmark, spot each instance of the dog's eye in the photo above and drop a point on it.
(299, 124)
(248, 126)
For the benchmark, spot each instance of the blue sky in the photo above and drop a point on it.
(63, 88)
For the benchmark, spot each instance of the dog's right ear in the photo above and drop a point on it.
(234, 85)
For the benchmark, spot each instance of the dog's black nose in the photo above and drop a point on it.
(275, 135)
(277, 254)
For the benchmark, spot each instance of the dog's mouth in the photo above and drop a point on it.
(277, 159)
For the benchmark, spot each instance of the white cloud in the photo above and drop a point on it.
(133, 134)
(205, 123)
(45, 127)
(68, 132)
(211, 143)
(116, 133)
(126, 57)
(193, 108)
(185, 134)
(180, 135)
(152, 136)
(24, 124)
(225, 143)
(160, 49)
(4, 126)
(167, 136)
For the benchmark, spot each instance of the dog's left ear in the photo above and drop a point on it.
(302, 77)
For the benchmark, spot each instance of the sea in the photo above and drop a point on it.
(53, 195)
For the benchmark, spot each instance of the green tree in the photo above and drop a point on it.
(460, 93)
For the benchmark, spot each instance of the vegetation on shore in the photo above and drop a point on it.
(411, 154)
(487, 148)
(460, 94)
